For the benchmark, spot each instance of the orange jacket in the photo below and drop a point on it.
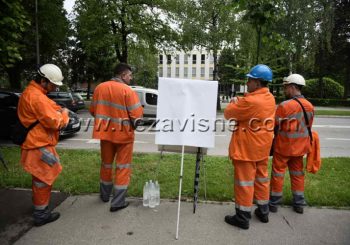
(254, 114)
(34, 105)
(115, 107)
(313, 160)
(292, 138)
(38, 155)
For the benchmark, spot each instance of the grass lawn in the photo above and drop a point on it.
(80, 175)
(332, 113)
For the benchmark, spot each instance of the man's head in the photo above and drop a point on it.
(258, 77)
(123, 71)
(292, 85)
(49, 77)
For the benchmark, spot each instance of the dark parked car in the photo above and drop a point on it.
(8, 111)
(79, 101)
(65, 99)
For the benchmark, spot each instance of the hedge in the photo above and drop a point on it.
(321, 102)
(331, 89)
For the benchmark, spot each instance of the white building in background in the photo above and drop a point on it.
(194, 64)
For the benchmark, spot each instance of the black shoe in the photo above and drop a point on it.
(299, 210)
(232, 220)
(51, 218)
(104, 199)
(262, 217)
(115, 209)
(273, 209)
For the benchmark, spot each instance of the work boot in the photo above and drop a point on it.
(262, 217)
(233, 220)
(50, 218)
(273, 208)
(104, 199)
(241, 219)
(298, 209)
(115, 209)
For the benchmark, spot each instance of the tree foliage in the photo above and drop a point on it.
(53, 27)
(13, 23)
(331, 89)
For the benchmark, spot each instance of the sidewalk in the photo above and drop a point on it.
(86, 220)
(340, 108)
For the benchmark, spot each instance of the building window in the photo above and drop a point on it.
(160, 59)
(211, 70)
(177, 72)
(185, 58)
(177, 59)
(185, 72)
(169, 72)
(194, 59)
(202, 72)
(211, 59)
(203, 59)
(160, 71)
(168, 57)
(193, 71)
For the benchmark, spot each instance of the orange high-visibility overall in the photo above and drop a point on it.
(115, 107)
(249, 147)
(292, 142)
(38, 153)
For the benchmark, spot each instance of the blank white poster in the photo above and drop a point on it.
(186, 112)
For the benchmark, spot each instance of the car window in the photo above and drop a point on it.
(3, 99)
(78, 96)
(8, 100)
(64, 95)
(151, 98)
(52, 95)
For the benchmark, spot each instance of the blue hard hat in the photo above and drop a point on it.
(262, 72)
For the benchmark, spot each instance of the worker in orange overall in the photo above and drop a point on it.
(116, 109)
(38, 155)
(250, 145)
(291, 143)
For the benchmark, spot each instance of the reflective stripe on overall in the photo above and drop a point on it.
(122, 155)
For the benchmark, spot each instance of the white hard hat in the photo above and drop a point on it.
(294, 78)
(52, 72)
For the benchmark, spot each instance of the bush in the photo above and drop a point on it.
(331, 89)
(320, 102)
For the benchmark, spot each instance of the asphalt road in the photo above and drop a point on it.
(334, 135)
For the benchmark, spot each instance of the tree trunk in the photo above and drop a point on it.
(258, 46)
(215, 71)
(14, 75)
(347, 83)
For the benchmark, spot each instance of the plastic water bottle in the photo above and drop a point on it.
(157, 193)
(152, 199)
(146, 194)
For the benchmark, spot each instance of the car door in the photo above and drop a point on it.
(8, 111)
(150, 108)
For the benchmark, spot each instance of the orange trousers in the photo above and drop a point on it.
(251, 181)
(279, 166)
(122, 155)
(41, 193)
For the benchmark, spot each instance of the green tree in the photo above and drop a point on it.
(340, 57)
(208, 24)
(260, 14)
(13, 23)
(53, 27)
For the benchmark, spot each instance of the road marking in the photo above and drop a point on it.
(97, 141)
(344, 139)
(330, 126)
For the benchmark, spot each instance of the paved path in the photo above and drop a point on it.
(86, 220)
